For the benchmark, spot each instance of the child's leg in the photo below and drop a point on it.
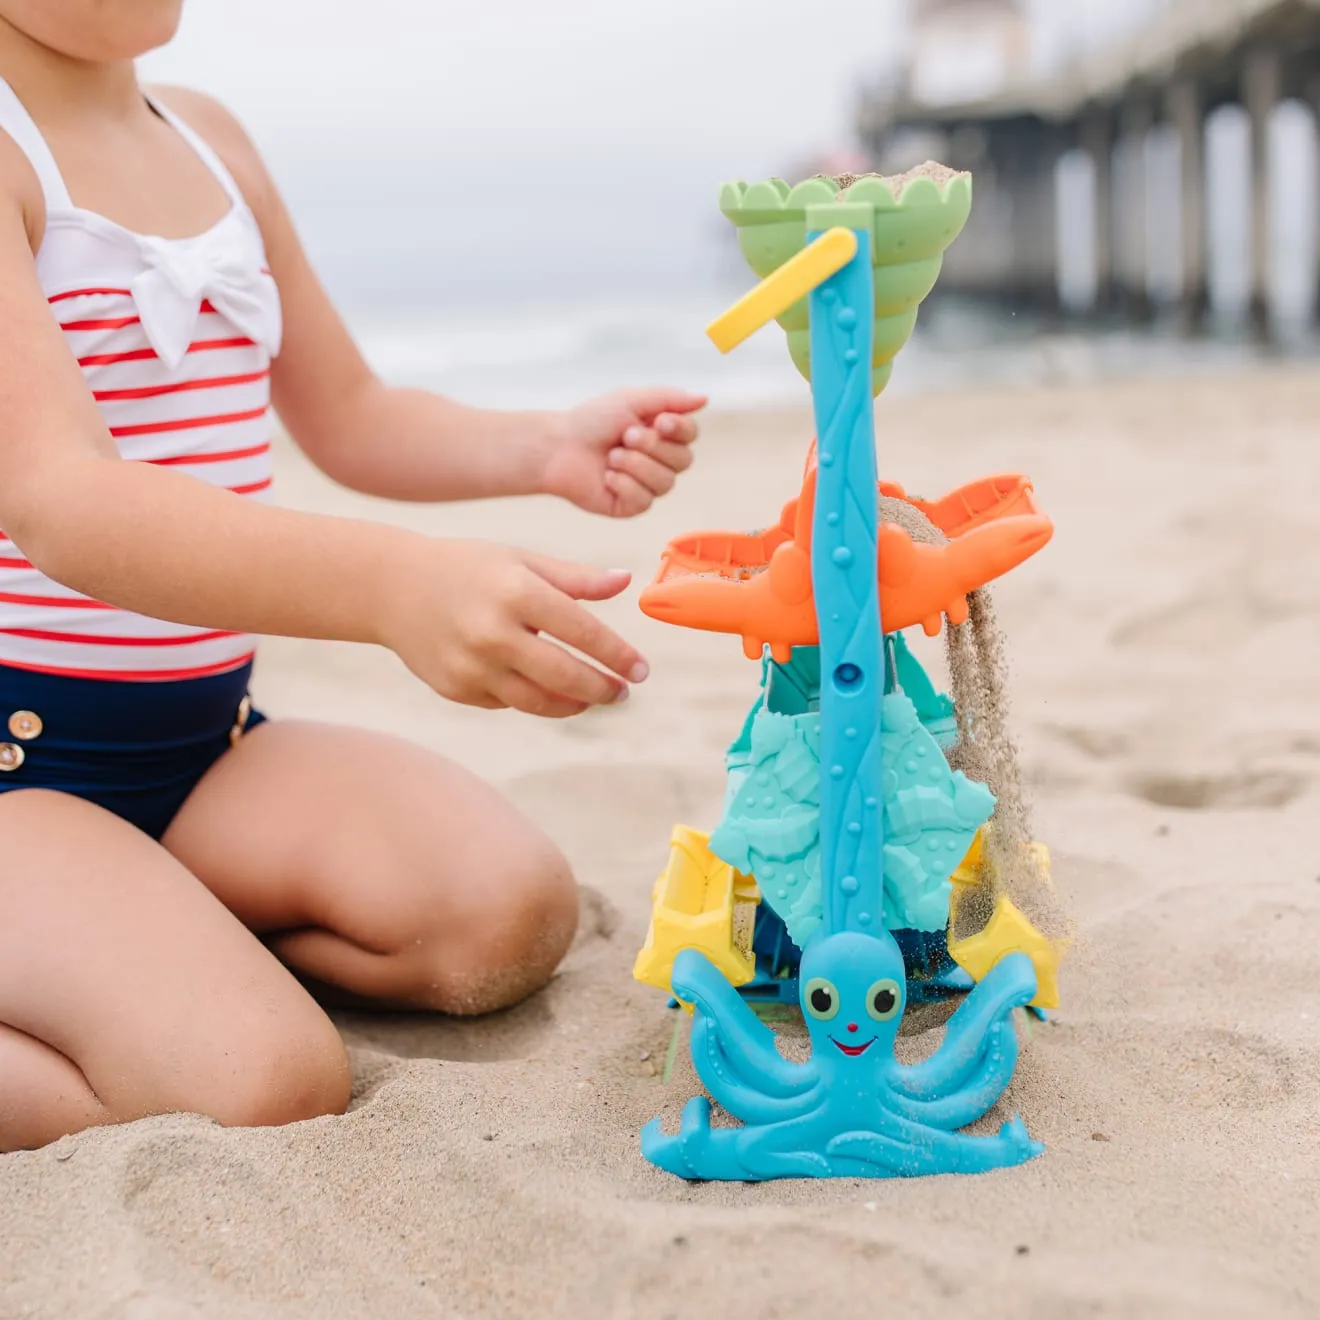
(42, 1094)
(376, 868)
(126, 989)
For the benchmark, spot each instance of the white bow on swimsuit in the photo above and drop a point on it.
(225, 267)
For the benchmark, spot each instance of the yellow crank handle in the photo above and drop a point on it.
(775, 294)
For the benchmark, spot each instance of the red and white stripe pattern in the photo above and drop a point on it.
(209, 417)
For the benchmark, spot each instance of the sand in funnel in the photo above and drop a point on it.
(930, 169)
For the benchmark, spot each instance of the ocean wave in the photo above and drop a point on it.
(553, 355)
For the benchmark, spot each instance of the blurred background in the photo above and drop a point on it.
(515, 202)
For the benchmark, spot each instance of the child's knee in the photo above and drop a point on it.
(298, 1072)
(512, 940)
(543, 902)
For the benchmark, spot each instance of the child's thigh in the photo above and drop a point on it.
(112, 954)
(368, 836)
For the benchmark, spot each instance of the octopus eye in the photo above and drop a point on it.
(820, 998)
(884, 1000)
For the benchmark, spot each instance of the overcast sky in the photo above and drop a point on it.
(709, 77)
(412, 114)
(520, 76)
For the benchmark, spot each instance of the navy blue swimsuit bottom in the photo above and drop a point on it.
(136, 749)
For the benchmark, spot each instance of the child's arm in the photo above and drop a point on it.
(464, 616)
(613, 455)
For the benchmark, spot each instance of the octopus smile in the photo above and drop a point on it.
(852, 1051)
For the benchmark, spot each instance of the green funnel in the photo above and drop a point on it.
(913, 217)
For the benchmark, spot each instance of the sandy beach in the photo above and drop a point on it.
(1164, 650)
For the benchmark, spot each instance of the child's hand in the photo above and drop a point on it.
(615, 454)
(481, 624)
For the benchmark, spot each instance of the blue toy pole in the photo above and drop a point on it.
(844, 575)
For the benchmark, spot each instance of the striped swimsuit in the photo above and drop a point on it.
(175, 340)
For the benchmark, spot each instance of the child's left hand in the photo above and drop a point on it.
(615, 454)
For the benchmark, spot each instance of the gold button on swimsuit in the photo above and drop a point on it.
(240, 722)
(26, 725)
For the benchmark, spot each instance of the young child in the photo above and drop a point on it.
(175, 873)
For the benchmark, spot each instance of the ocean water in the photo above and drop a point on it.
(559, 355)
(539, 282)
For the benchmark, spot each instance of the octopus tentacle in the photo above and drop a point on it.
(975, 1094)
(928, 1151)
(744, 1098)
(670, 1153)
(1010, 984)
(701, 1153)
(783, 1152)
(735, 1044)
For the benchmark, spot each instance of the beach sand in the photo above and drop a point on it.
(1164, 653)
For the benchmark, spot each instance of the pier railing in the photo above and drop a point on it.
(1191, 60)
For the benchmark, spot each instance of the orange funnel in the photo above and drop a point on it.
(758, 585)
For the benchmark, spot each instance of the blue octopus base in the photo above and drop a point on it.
(852, 1110)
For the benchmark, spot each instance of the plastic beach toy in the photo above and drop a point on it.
(848, 843)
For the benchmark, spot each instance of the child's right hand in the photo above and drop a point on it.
(488, 626)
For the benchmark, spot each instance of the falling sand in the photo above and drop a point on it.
(978, 673)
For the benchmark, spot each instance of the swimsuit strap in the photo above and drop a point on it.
(16, 121)
(201, 147)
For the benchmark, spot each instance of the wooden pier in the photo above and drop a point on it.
(1171, 75)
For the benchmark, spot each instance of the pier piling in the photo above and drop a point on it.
(1192, 59)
